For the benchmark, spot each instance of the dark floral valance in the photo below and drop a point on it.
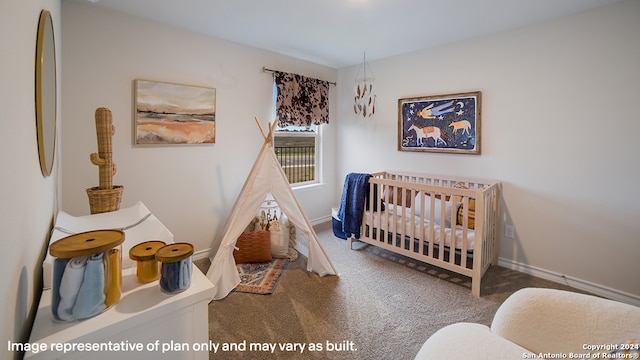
(301, 101)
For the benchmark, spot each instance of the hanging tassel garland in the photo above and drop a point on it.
(365, 99)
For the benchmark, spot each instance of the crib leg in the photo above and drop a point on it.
(475, 287)
(350, 240)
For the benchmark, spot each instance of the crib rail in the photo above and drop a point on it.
(431, 218)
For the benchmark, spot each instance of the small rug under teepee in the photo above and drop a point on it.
(260, 278)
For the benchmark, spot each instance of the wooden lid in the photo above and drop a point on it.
(86, 243)
(145, 250)
(174, 252)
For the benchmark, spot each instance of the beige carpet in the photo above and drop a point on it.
(381, 307)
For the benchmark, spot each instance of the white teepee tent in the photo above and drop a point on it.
(265, 177)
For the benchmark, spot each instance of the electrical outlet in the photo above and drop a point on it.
(509, 231)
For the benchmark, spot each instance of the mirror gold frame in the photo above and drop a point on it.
(46, 92)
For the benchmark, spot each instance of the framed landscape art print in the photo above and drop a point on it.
(167, 114)
(447, 123)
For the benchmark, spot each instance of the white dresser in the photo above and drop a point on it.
(140, 326)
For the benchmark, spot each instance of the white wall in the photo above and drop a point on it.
(190, 188)
(27, 198)
(559, 128)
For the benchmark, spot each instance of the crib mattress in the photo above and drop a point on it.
(409, 221)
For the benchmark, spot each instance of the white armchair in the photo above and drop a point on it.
(535, 321)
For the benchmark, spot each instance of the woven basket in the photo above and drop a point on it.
(104, 200)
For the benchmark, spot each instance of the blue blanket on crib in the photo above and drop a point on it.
(354, 194)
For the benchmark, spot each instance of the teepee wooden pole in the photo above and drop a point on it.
(261, 130)
(272, 129)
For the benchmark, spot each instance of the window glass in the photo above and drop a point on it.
(295, 149)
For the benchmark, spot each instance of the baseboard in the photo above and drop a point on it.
(584, 285)
(320, 220)
(200, 254)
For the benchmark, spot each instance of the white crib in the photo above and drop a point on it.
(444, 221)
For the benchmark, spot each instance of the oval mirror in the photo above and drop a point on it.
(46, 92)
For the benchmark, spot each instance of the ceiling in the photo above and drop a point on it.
(337, 33)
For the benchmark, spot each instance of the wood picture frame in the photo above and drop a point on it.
(448, 123)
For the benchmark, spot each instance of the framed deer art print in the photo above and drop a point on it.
(447, 123)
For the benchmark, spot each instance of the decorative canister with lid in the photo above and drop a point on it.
(144, 254)
(87, 274)
(176, 269)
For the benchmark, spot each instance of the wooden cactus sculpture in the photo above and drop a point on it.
(104, 157)
(106, 197)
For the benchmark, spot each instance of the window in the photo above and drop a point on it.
(297, 149)
(297, 143)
